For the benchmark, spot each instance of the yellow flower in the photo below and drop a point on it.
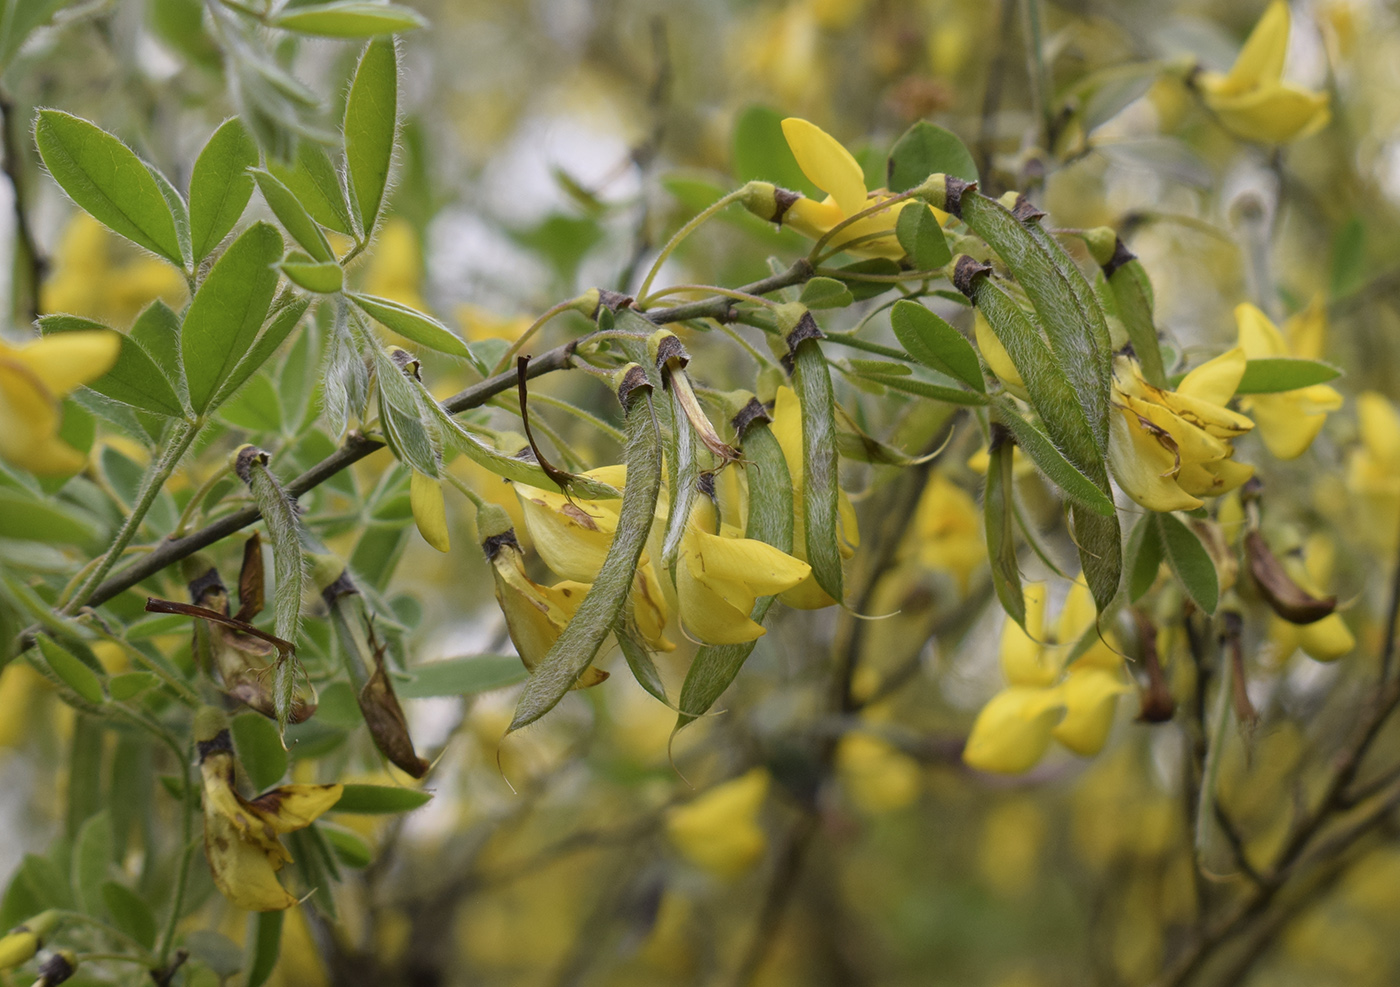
(1252, 100)
(877, 776)
(787, 429)
(240, 835)
(1323, 640)
(429, 511)
(997, 358)
(1167, 449)
(33, 379)
(100, 276)
(572, 536)
(718, 831)
(719, 576)
(1076, 707)
(478, 323)
(1289, 420)
(535, 615)
(1373, 471)
(948, 535)
(831, 168)
(395, 269)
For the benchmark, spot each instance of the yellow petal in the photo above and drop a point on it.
(718, 831)
(759, 567)
(997, 358)
(877, 776)
(1144, 468)
(709, 617)
(536, 615)
(429, 511)
(1214, 478)
(1288, 422)
(571, 536)
(649, 609)
(1307, 330)
(67, 359)
(1261, 59)
(1272, 114)
(1026, 659)
(293, 807)
(1380, 429)
(1013, 730)
(1215, 381)
(1259, 337)
(828, 165)
(1326, 640)
(242, 871)
(1193, 444)
(29, 420)
(1090, 696)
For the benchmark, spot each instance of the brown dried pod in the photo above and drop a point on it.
(1289, 600)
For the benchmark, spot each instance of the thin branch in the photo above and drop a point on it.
(30, 254)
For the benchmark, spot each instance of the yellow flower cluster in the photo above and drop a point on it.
(718, 831)
(1043, 699)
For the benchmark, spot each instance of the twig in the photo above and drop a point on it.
(34, 260)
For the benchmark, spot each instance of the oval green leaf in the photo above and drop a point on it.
(325, 278)
(1190, 562)
(936, 344)
(921, 237)
(293, 215)
(220, 186)
(374, 800)
(412, 324)
(106, 178)
(349, 19)
(464, 676)
(1281, 373)
(371, 121)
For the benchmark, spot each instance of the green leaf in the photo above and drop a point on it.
(861, 290)
(825, 293)
(255, 407)
(761, 153)
(412, 324)
(1283, 373)
(259, 749)
(223, 320)
(283, 322)
(157, 329)
(74, 672)
(134, 379)
(1051, 461)
(934, 343)
(640, 663)
(1190, 561)
(998, 510)
(129, 684)
(264, 945)
(130, 913)
(926, 149)
(349, 849)
(21, 18)
(324, 279)
(373, 800)
(461, 676)
(293, 216)
(92, 860)
(1144, 557)
(27, 519)
(1132, 291)
(371, 119)
(106, 178)
(936, 392)
(316, 182)
(218, 952)
(349, 19)
(921, 237)
(220, 186)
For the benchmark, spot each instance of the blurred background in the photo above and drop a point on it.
(552, 146)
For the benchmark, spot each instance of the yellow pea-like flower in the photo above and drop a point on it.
(719, 576)
(1288, 421)
(1012, 733)
(877, 776)
(718, 831)
(395, 269)
(834, 170)
(948, 533)
(1323, 640)
(240, 835)
(1251, 100)
(34, 378)
(1168, 449)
